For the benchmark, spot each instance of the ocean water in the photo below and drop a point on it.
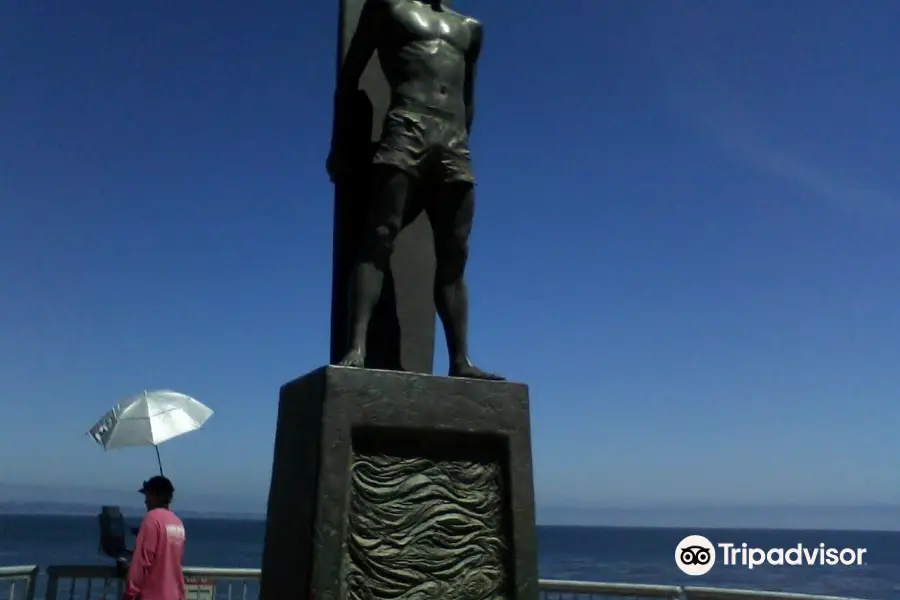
(635, 555)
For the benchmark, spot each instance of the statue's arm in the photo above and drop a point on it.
(471, 64)
(362, 47)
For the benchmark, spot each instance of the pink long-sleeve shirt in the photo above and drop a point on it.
(156, 569)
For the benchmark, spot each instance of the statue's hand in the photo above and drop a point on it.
(335, 164)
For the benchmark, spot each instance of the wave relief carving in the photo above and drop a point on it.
(423, 529)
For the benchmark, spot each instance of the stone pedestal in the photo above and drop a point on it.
(389, 485)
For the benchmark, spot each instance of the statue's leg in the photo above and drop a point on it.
(451, 214)
(392, 192)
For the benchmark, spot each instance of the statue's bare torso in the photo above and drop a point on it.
(424, 52)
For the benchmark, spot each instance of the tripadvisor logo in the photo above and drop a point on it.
(696, 555)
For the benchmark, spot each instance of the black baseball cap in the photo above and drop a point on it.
(157, 485)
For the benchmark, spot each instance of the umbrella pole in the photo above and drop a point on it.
(158, 459)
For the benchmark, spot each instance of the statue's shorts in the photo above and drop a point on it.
(425, 146)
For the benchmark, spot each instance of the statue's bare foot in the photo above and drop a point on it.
(355, 358)
(470, 371)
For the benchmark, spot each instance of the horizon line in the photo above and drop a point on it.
(261, 518)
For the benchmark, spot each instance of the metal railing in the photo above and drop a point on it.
(104, 583)
(17, 583)
(553, 589)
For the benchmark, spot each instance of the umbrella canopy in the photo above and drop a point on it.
(149, 419)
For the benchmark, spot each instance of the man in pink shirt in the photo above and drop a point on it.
(156, 569)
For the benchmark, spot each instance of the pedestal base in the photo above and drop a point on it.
(390, 485)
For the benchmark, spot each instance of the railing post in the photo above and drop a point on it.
(52, 584)
(31, 583)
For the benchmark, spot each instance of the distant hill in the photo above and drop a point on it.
(76, 509)
(73, 500)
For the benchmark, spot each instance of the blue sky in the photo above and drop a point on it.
(686, 239)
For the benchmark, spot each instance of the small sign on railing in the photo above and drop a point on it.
(199, 588)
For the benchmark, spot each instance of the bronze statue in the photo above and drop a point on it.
(428, 54)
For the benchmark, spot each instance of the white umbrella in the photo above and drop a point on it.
(149, 419)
